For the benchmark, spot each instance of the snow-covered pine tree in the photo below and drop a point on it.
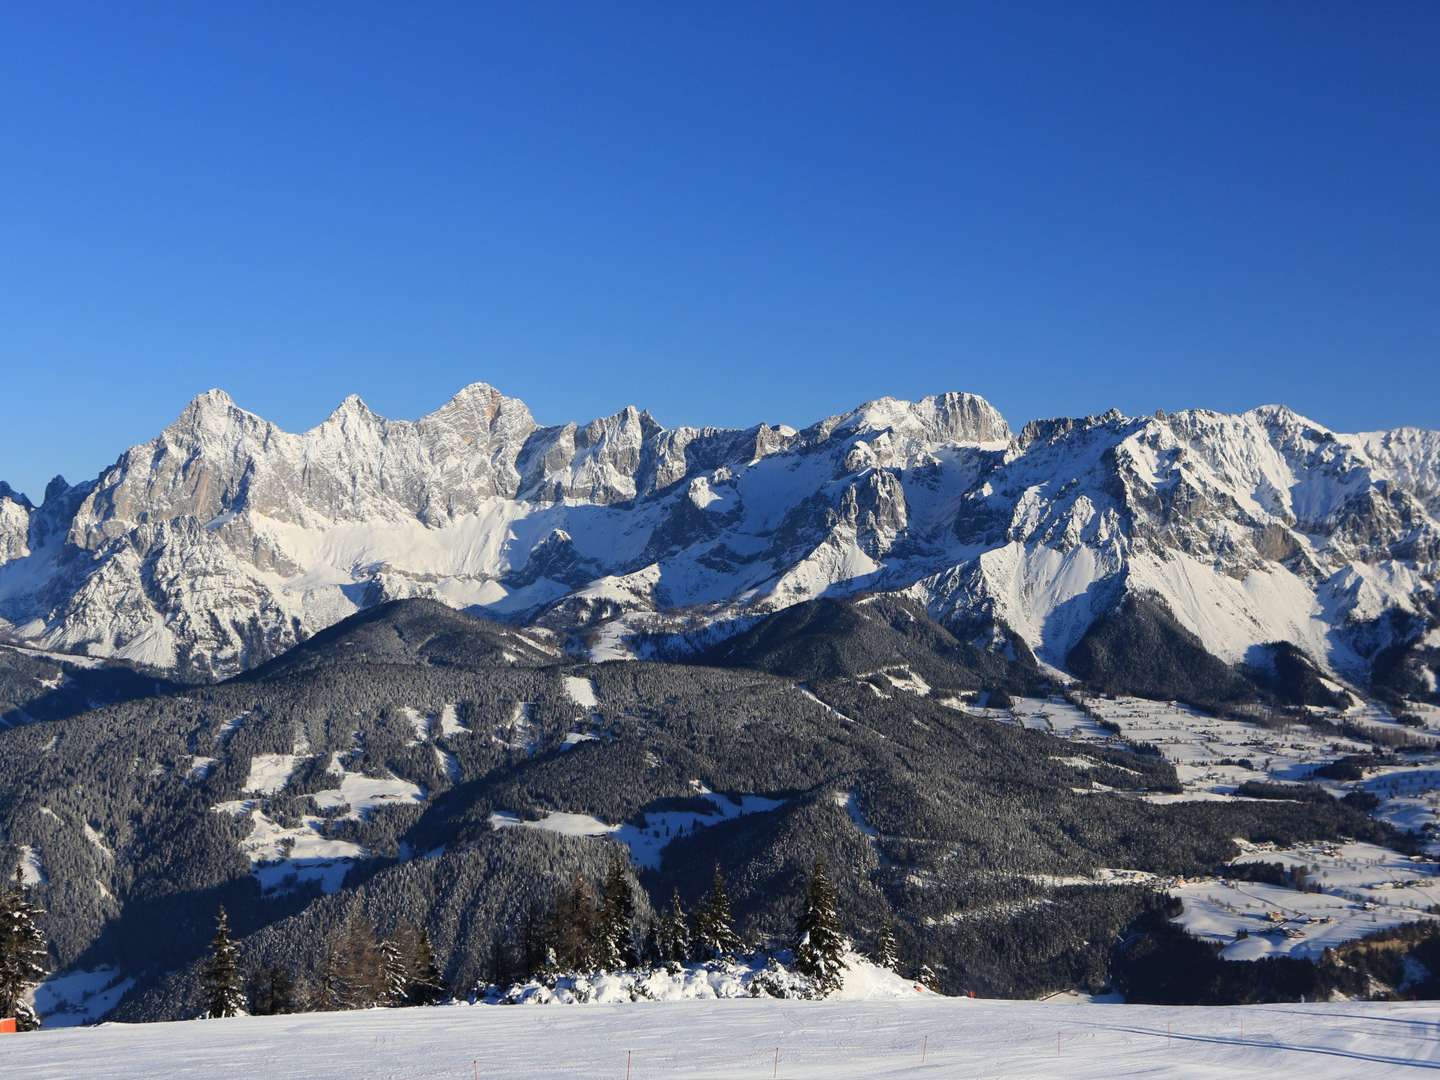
(223, 996)
(928, 979)
(821, 944)
(887, 951)
(23, 954)
(615, 937)
(715, 936)
(675, 932)
(427, 984)
(329, 990)
(550, 966)
(394, 974)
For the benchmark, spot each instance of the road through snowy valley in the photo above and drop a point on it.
(733, 1040)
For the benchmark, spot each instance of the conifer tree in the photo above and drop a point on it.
(394, 974)
(361, 982)
(821, 944)
(715, 936)
(675, 932)
(550, 966)
(615, 932)
(23, 954)
(272, 992)
(573, 925)
(532, 940)
(329, 990)
(928, 979)
(223, 996)
(427, 984)
(499, 970)
(887, 951)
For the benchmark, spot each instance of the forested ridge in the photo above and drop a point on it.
(951, 836)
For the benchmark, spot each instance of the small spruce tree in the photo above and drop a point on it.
(223, 996)
(715, 936)
(272, 992)
(887, 951)
(23, 954)
(329, 988)
(427, 984)
(821, 944)
(675, 932)
(928, 979)
(394, 974)
(615, 930)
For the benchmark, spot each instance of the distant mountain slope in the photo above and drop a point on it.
(385, 768)
(836, 638)
(225, 540)
(419, 632)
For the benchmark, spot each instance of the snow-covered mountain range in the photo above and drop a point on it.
(225, 540)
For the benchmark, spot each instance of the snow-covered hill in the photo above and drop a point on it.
(725, 1040)
(225, 540)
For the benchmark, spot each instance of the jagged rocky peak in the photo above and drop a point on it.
(15, 514)
(1059, 428)
(9, 494)
(351, 409)
(940, 418)
(480, 409)
(212, 413)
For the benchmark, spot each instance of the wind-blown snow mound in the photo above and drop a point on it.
(757, 978)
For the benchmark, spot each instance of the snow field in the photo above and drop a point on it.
(1216, 911)
(1055, 715)
(647, 840)
(924, 1037)
(581, 691)
(80, 997)
(1199, 745)
(270, 772)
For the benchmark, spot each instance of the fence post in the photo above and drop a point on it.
(775, 1071)
(627, 1063)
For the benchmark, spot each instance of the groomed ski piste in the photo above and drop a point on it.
(928, 1036)
(702, 1023)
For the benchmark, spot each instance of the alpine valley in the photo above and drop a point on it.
(1142, 705)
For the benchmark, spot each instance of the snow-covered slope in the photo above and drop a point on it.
(225, 540)
(928, 1037)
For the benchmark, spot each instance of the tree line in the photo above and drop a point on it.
(585, 929)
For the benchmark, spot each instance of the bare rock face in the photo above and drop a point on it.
(225, 540)
(15, 511)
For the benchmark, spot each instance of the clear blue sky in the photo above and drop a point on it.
(724, 212)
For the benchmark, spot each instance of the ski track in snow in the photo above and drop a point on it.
(925, 1037)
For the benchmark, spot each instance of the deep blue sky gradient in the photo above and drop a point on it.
(722, 212)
